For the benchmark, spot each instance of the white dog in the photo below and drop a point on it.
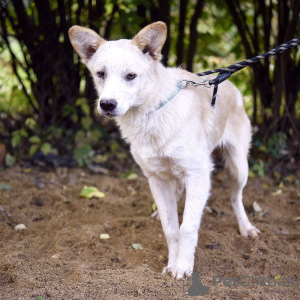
(172, 131)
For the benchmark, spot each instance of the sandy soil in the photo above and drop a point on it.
(60, 254)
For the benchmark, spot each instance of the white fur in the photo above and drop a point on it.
(173, 145)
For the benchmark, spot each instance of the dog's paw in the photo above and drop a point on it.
(156, 215)
(167, 270)
(182, 269)
(182, 273)
(250, 230)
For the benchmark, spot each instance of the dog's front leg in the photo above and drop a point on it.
(165, 198)
(197, 192)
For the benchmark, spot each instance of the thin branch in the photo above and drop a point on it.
(245, 24)
(240, 28)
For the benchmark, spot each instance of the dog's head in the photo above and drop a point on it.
(121, 69)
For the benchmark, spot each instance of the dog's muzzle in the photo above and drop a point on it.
(108, 105)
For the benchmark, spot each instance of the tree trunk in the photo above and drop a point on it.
(180, 40)
(194, 34)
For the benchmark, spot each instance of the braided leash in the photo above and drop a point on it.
(225, 73)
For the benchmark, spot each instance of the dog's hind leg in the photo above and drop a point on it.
(165, 199)
(235, 156)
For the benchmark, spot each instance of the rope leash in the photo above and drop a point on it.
(225, 73)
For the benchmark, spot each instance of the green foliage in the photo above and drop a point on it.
(12, 97)
(9, 160)
(268, 153)
(259, 167)
(33, 149)
(83, 105)
(34, 140)
(46, 148)
(277, 144)
(30, 123)
(83, 154)
(114, 147)
(17, 135)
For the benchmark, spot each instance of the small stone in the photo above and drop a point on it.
(246, 256)
(104, 236)
(56, 256)
(20, 227)
(40, 185)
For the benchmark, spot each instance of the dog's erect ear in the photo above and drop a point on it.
(85, 41)
(151, 39)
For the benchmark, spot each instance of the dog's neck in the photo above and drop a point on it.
(144, 123)
(162, 85)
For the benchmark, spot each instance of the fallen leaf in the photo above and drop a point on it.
(258, 211)
(282, 232)
(55, 256)
(40, 298)
(278, 192)
(137, 246)
(97, 169)
(280, 185)
(90, 192)
(104, 236)
(5, 187)
(277, 175)
(256, 207)
(154, 208)
(297, 219)
(265, 186)
(133, 193)
(26, 171)
(277, 277)
(290, 179)
(132, 176)
(210, 210)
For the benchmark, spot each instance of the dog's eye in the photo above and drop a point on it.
(100, 74)
(130, 76)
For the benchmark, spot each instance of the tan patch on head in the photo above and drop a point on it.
(85, 41)
(151, 39)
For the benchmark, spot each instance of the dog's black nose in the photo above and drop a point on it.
(108, 104)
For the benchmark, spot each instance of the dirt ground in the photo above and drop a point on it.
(60, 255)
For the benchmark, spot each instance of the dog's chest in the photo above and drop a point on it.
(163, 167)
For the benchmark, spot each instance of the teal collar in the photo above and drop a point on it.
(164, 102)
